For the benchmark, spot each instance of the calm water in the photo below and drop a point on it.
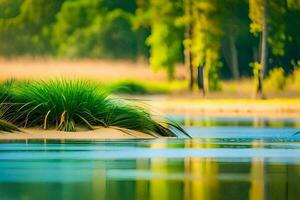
(221, 162)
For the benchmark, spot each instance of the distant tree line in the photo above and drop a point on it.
(213, 38)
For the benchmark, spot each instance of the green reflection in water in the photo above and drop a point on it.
(189, 178)
(205, 183)
(257, 122)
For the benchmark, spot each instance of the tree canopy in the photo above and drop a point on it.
(223, 37)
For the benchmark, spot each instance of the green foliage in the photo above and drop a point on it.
(7, 126)
(135, 87)
(72, 24)
(294, 78)
(100, 34)
(164, 39)
(276, 80)
(120, 28)
(256, 69)
(4, 124)
(255, 14)
(95, 29)
(128, 87)
(65, 104)
(212, 66)
(54, 102)
(68, 28)
(5, 89)
(293, 4)
(205, 41)
(25, 25)
(9, 9)
(275, 20)
(277, 28)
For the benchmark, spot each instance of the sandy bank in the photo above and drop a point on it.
(100, 134)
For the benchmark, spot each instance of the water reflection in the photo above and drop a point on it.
(255, 121)
(204, 171)
(147, 178)
(257, 190)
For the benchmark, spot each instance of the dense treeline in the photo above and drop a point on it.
(212, 37)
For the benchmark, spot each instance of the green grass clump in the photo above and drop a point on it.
(4, 124)
(7, 126)
(54, 103)
(66, 104)
(5, 88)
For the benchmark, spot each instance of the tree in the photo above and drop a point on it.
(233, 25)
(205, 45)
(267, 17)
(9, 10)
(164, 40)
(23, 25)
(293, 4)
(258, 15)
(277, 27)
(141, 25)
(187, 6)
(89, 29)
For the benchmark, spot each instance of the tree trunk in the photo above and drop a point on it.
(140, 56)
(189, 67)
(187, 50)
(234, 58)
(201, 79)
(264, 50)
(264, 45)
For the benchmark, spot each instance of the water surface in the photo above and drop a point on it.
(220, 162)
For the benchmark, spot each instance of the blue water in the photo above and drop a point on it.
(220, 162)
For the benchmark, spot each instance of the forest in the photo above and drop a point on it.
(214, 39)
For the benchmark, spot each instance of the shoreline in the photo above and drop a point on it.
(99, 135)
(269, 108)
